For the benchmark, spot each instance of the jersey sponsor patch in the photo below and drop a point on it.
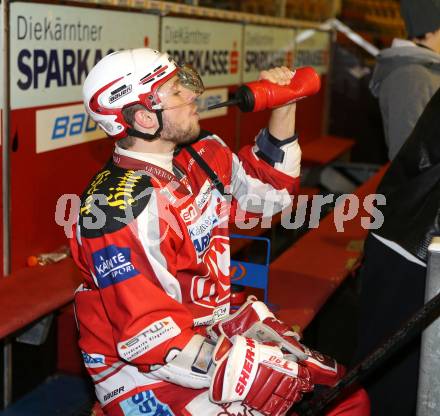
(200, 231)
(113, 265)
(93, 360)
(218, 314)
(114, 393)
(150, 337)
(188, 213)
(204, 195)
(145, 404)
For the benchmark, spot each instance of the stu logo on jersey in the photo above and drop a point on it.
(150, 337)
(113, 265)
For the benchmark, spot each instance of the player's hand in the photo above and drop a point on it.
(257, 375)
(280, 75)
(282, 119)
(256, 321)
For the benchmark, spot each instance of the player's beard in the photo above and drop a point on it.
(178, 134)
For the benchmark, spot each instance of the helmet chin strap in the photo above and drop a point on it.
(147, 136)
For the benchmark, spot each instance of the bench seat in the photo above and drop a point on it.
(305, 275)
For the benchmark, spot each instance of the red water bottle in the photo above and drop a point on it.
(263, 94)
(260, 95)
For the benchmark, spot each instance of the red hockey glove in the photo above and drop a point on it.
(257, 375)
(256, 321)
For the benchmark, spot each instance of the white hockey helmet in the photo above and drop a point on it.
(129, 77)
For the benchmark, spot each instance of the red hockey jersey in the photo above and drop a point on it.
(153, 247)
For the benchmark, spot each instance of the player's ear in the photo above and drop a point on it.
(146, 119)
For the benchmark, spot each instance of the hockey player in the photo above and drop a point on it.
(152, 243)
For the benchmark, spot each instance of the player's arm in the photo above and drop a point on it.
(266, 175)
(132, 282)
(278, 145)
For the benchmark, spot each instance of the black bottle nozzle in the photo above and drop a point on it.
(244, 99)
(233, 101)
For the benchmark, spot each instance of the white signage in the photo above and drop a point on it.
(212, 48)
(53, 48)
(266, 47)
(64, 126)
(211, 97)
(313, 49)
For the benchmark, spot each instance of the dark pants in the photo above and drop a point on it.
(392, 290)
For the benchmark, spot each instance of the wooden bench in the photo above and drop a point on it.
(32, 293)
(305, 276)
(324, 150)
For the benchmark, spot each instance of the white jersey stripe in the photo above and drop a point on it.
(150, 237)
(254, 195)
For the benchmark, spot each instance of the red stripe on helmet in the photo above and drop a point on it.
(94, 101)
(98, 109)
(161, 69)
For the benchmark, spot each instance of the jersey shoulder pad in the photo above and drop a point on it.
(114, 198)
